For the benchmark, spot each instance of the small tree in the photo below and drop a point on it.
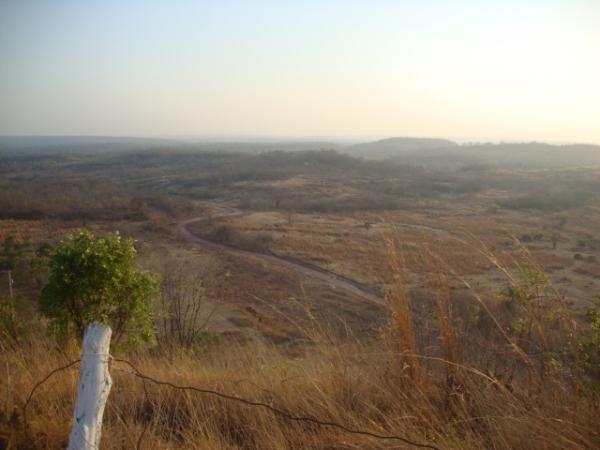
(94, 279)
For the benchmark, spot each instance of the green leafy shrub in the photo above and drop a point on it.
(94, 279)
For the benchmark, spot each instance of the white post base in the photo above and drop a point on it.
(92, 389)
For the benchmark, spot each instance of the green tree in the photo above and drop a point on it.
(94, 279)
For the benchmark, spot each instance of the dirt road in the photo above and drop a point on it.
(318, 274)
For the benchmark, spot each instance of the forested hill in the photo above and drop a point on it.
(394, 146)
(439, 152)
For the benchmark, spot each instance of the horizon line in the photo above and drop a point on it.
(257, 138)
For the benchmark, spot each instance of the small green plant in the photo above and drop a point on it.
(94, 279)
(591, 347)
(537, 322)
(18, 322)
(26, 263)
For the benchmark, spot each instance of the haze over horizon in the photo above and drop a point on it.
(468, 70)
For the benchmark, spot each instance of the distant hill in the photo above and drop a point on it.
(444, 153)
(54, 144)
(100, 144)
(387, 148)
(259, 146)
(534, 154)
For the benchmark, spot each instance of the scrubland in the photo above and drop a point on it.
(483, 373)
(487, 334)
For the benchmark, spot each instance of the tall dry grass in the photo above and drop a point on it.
(487, 373)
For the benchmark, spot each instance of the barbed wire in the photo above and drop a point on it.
(39, 383)
(280, 412)
(273, 409)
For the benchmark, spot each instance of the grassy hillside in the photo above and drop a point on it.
(486, 334)
(514, 374)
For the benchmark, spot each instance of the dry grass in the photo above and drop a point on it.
(465, 384)
(350, 243)
(34, 230)
(362, 386)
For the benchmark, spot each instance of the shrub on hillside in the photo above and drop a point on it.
(94, 279)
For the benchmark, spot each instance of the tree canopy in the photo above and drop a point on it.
(94, 279)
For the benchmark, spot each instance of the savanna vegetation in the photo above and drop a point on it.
(519, 371)
(127, 185)
(487, 334)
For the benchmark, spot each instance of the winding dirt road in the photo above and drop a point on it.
(318, 274)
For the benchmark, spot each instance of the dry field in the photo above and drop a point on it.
(464, 347)
(566, 245)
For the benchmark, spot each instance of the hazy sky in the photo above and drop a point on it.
(506, 69)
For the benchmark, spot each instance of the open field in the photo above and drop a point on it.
(353, 245)
(323, 210)
(320, 273)
(336, 225)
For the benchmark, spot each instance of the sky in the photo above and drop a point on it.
(474, 70)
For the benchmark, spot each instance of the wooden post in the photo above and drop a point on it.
(92, 389)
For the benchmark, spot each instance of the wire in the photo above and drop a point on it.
(273, 409)
(280, 412)
(39, 383)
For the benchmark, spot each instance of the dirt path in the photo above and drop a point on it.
(323, 276)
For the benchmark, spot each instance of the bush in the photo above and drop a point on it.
(245, 240)
(27, 264)
(95, 280)
(12, 328)
(181, 316)
(591, 347)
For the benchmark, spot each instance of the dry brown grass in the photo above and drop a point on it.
(469, 385)
(350, 243)
(361, 386)
(34, 230)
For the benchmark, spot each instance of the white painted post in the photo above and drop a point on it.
(92, 389)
